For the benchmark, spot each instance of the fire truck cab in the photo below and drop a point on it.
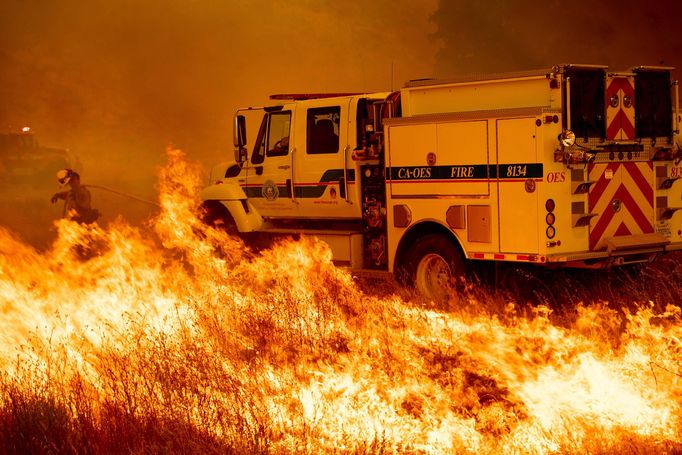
(569, 166)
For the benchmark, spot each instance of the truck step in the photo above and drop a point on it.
(634, 242)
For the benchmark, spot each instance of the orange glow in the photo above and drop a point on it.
(281, 351)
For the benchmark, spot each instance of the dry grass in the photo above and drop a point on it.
(196, 347)
(208, 387)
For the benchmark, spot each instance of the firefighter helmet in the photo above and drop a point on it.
(64, 176)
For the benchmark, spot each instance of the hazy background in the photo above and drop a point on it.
(116, 82)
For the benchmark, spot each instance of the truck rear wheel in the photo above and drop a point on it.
(434, 264)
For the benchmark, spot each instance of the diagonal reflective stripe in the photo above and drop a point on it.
(637, 172)
(600, 226)
(615, 126)
(627, 126)
(620, 120)
(645, 224)
(619, 83)
(631, 213)
(640, 200)
(632, 224)
(597, 173)
(606, 197)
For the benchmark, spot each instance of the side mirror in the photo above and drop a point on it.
(240, 154)
(239, 130)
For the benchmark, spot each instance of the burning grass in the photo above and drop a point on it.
(119, 341)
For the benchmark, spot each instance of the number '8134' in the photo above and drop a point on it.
(516, 171)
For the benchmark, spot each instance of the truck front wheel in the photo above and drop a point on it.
(434, 264)
(215, 214)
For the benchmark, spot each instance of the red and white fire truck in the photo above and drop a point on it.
(570, 166)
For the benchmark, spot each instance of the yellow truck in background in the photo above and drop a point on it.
(28, 164)
(570, 166)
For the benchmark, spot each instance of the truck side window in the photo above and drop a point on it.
(323, 130)
(273, 136)
(278, 133)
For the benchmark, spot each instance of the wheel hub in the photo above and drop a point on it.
(433, 277)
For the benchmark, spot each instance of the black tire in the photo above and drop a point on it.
(434, 266)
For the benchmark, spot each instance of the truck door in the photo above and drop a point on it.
(518, 173)
(323, 181)
(269, 169)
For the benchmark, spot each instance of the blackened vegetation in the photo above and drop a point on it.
(44, 423)
(657, 282)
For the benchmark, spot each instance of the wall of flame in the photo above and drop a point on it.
(178, 331)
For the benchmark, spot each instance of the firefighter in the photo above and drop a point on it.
(77, 199)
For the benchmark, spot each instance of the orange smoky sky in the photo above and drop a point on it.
(118, 81)
(499, 35)
(129, 75)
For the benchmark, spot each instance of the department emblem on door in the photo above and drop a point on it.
(431, 159)
(270, 191)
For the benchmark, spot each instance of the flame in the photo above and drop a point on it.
(175, 336)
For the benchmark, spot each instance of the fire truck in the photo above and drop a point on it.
(27, 163)
(572, 166)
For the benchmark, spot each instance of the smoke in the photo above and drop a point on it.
(498, 35)
(175, 71)
(117, 82)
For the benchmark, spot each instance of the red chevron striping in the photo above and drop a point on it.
(635, 211)
(628, 127)
(642, 183)
(614, 126)
(620, 83)
(622, 230)
(621, 120)
(601, 185)
(629, 204)
(602, 223)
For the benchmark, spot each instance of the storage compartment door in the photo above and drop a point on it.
(518, 174)
(439, 159)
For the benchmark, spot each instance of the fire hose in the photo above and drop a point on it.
(121, 193)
